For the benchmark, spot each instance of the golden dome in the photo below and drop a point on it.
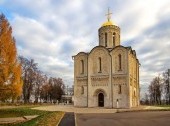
(108, 23)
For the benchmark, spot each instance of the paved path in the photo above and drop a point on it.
(154, 118)
(68, 119)
(16, 119)
(70, 108)
(106, 117)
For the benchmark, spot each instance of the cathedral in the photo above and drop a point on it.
(108, 75)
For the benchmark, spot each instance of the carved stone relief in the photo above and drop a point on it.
(81, 81)
(119, 81)
(102, 80)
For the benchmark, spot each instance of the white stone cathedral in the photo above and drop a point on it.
(108, 75)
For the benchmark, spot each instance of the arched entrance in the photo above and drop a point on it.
(100, 100)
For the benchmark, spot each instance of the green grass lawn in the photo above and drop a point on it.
(45, 118)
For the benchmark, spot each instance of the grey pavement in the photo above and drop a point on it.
(71, 108)
(150, 118)
(68, 119)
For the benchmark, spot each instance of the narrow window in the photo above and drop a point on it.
(106, 39)
(82, 66)
(120, 89)
(82, 90)
(120, 62)
(100, 65)
(113, 39)
(134, 94)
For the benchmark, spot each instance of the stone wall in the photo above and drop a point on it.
(99, 81)
(80, 80)
(133, 79)
(110, 30)
(120, 77)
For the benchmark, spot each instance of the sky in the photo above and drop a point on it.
(52, 31)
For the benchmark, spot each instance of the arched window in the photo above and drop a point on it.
(134, 94)
(106, 39)
(120, 61)
(100, 65)
(82, 90)
(114, 39)
(120, 89)
(82, 67)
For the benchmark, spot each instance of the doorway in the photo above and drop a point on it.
(100, 100)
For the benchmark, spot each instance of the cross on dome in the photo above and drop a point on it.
(108, 15)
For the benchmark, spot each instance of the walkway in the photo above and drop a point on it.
(16, 119)
(71, 108)
(68, 119)
(149, 118)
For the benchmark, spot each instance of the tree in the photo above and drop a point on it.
(45, 92)
(40, 80)
(29, 69)
(53, 90)
(166, 87)
(146, 99)
(57, 89)
(155, 90)
(10, 68)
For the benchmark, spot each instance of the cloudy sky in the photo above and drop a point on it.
(52, 31)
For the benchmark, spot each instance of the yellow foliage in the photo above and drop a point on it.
(10, 68)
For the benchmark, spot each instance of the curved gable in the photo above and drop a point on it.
(119, 59)
(99, 60)
(119, 47)
(98, 48)
(80, 54)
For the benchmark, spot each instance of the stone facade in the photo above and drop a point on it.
(107, 76)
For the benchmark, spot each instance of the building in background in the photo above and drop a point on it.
(67, 97)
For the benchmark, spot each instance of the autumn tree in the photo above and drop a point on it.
(57, 88)
(53, 90)
(45, 92)
(10, 68)
(36, 85)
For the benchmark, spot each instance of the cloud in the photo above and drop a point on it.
(2, 1)
(51, 32)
